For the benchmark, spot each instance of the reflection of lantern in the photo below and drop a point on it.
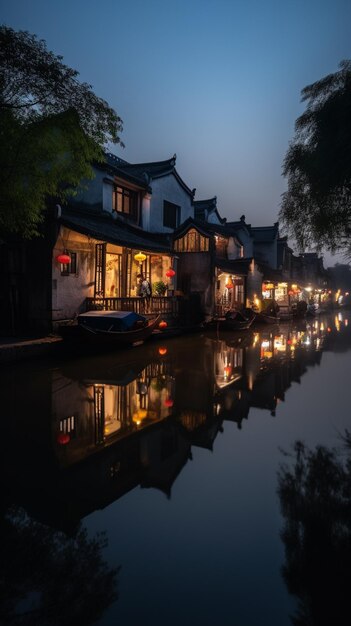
(63, 258)
(162, 351)
(162, 324)
(63, 438)
(139, 416)
(170, 273)
(168, 402)
(140, 257)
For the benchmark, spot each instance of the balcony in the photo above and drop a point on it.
(166, 305)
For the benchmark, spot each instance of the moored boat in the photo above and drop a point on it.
(232, 320)
(110, 329)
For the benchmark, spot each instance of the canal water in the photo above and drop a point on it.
(195, 481)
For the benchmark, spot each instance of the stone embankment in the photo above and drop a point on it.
(19, 349)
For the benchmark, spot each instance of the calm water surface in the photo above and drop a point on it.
(148, 486)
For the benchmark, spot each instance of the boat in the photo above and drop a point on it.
(268, 315)
(110, 329)
(232, 320)
(265, 318)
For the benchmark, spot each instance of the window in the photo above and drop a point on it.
(69, 268)
(125, 201)
(171, 214)
(192, 242)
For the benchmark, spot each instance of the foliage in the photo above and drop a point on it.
(159, 288)
(316, 208)
(315, 498)
(49, 578)
(52, 128)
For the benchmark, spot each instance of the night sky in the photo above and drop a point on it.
(217, 82)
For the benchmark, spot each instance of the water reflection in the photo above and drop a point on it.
(314, 491)
(49, 578)
(100, 427)
(133, 420)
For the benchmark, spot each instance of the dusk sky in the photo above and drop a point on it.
(217, 82)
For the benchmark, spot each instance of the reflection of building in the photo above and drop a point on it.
(101, 427)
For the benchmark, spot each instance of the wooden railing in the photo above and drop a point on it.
(157, 304)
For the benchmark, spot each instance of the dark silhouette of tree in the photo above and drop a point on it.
(316, 208)
(47, 578)
(52, 127)
(315, 498)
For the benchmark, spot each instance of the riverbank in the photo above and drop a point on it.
(22, 348)
(14, 349)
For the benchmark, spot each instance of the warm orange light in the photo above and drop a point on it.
(163, 324)
(169, 402)
(139, 416)
(170, 273)
(227, 371)
(162, 351)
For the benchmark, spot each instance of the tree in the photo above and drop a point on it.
(52, 128)
(316, 208)
(315, 500)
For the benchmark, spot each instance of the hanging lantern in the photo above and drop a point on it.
(169, 403)
(162, 351)
(227, 371)
(170, 273)
(63, 438)
(163, 324)
(63, 258)
(229, 285)
(140, 257)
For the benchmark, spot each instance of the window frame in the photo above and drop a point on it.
(171, 221)
(69, 268)
(122, 197)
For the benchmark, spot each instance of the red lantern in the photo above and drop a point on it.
(229, 285)
(63, 438)
(291, 292)
(170, 273)
(63, 258)
(168, 402)
(162, 351)
(227, 371)
(163, 324)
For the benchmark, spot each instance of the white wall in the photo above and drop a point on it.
(167, 188)
(91, 191)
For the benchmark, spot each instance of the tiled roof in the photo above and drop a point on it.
(236, 266)
(105, 228)
(264, 234)
(145, 172)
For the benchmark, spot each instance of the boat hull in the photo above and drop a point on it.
(86, 335)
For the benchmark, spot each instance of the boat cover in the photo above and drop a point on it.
(110, 320)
